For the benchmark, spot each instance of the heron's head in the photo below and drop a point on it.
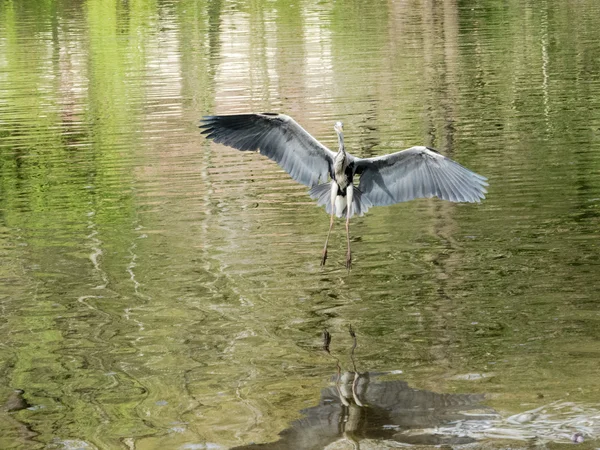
(339, 127)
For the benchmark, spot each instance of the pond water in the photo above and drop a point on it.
(160, 291)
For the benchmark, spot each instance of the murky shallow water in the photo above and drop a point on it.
(160, 291)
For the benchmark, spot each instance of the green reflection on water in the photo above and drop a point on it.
(161, 291)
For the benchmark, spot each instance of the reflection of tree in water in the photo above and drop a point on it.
(361, 406)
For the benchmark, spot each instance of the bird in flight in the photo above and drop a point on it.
(418, 172)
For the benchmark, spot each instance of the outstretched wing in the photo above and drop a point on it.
(276, 136)
(415, 173)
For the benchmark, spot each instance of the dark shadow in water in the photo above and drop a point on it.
(361, 406)
(21, 433)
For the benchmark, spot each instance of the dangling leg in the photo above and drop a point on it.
(349, 212)
(324, 258)
(334, 191)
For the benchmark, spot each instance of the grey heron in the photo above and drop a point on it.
(418, 172)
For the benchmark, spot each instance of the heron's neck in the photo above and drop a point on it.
(342, 150)
(340, 162)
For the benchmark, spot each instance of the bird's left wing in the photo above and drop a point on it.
(276, 136)
(415, 173)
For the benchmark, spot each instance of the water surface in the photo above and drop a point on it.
(161, 291)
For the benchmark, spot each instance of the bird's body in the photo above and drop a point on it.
(342, 172)
(341, 175)
(413, 173)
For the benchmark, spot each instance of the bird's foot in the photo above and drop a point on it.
(324, 258)
(348, 261)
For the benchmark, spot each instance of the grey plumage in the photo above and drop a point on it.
(418, 172)
(398, 177)
(321, 193)
(276, 136)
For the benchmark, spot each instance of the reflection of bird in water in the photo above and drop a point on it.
(361, 406)
(418, 172)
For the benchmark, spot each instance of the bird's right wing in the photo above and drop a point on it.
(276, 136)
(416, 173)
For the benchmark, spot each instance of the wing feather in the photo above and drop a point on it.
(438, 190)
(453, 190)
(416, 173)
(277, 136)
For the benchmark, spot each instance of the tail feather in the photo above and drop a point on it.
(361, 202)
(322, 193)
